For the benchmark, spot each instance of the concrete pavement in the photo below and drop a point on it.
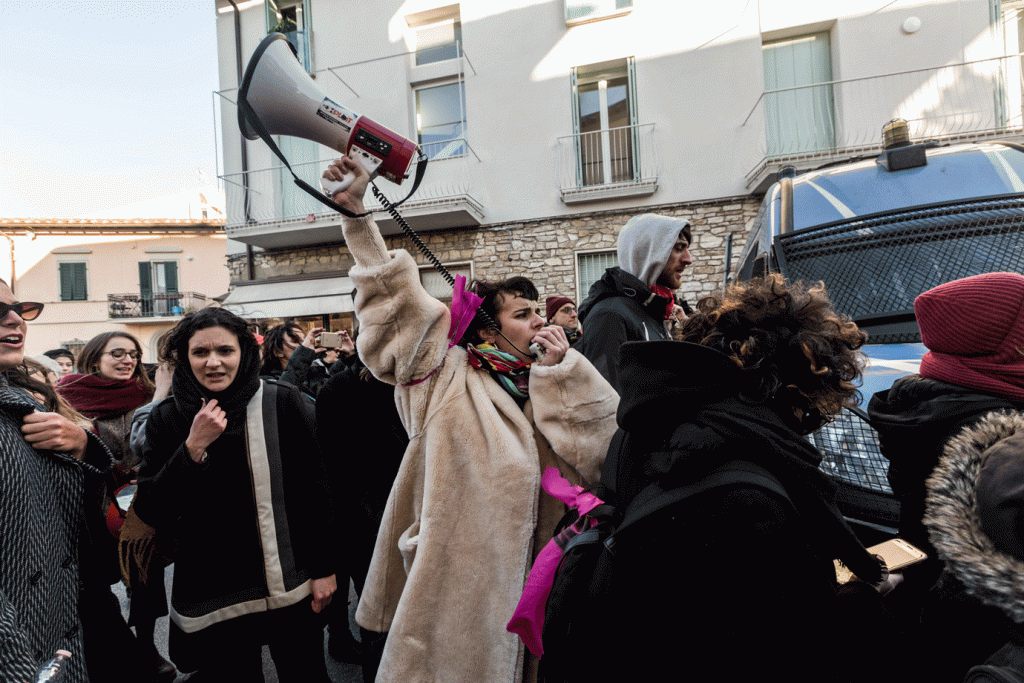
(339, 672)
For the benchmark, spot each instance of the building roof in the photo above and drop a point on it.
(87, 226)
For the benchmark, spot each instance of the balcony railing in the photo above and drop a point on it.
(273, 197)
(154, 305)
(971, 100)
(611, 162)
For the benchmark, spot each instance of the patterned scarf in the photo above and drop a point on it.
(511, 373)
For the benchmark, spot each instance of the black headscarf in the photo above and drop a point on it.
(189, 394)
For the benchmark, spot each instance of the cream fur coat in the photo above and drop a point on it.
(466, 515)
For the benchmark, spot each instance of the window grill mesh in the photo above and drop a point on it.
(879, 264)
(853, 460)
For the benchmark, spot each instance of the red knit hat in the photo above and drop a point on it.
(974, 331)
(553, 303)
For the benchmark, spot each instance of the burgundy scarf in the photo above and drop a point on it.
(100, 398)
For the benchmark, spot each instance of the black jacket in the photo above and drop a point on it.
(915, 419)
(225, 512)
(618, 309)
(735, 583)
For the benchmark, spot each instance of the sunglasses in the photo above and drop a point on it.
(118, 354)
(28, 310)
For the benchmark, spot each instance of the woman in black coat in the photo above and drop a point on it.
(234, 473)
(738, 582)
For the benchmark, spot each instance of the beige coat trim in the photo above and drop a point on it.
(259, 467)
(193, 624)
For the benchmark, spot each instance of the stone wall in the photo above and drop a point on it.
(544, 249)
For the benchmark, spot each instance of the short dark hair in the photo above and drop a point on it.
(494, 295)
(788, 340)
(60, 353)
(175, 345)
(89, 359)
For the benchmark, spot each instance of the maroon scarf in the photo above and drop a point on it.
(100, 398)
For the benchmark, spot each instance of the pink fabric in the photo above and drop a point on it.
(527, 621)
(464, 307)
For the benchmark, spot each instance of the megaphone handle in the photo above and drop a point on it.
(333, 187)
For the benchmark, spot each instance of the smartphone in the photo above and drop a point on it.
(330, 340)
(896, 552)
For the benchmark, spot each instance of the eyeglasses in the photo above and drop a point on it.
(28, 310)
(118, 354)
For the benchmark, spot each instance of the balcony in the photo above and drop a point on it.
(807, 126)
(155, 305)
(266, 209)
(608, 164)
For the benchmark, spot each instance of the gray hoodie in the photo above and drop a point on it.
(645, 243)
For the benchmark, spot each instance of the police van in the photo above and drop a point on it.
(878, 231)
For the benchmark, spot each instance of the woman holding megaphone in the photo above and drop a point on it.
(466, 515)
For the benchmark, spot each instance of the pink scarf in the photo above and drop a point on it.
(528, 620)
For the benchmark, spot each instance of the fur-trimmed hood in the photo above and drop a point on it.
(953, 522)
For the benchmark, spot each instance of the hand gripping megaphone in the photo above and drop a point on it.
(278, 97)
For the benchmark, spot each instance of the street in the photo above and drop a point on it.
(339, 672)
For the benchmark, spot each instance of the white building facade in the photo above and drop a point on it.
(550, 122)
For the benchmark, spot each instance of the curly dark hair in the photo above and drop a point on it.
(494, 295)
(174, 346)
(789, 341)
(273, 343)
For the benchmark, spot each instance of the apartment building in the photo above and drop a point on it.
(125, 270)
(549, 123)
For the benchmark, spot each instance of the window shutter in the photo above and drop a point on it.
(145, 280)
(171, 276)
(78, 291)
(66, 284)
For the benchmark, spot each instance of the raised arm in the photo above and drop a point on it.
(403, 330)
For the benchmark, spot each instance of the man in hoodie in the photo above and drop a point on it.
(633, 301)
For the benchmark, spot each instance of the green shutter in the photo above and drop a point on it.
(72, 282)
(171, 276)
(145, 280)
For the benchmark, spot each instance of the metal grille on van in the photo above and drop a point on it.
(875, 266)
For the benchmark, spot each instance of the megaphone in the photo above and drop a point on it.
(288, 102)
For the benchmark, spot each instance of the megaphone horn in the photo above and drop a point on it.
(286, 101)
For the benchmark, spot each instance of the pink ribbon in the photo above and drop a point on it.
(464, 307)
(527, 621)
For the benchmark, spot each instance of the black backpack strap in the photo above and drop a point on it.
(654, 498)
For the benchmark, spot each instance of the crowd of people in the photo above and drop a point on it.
(272, 471)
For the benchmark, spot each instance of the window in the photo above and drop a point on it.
(292, 18)
(441, 120)
(799, 109)
(438, 42)
(590, 267)
(437, 34)
(580, 11)
(158, 288)
(72, 282)
(604, 121)
(438, 287)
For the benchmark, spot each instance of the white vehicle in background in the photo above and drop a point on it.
(879, 231)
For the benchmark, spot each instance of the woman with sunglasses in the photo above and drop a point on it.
(112, 384)
(52, 478)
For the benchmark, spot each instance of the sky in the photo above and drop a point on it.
(104, 103)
